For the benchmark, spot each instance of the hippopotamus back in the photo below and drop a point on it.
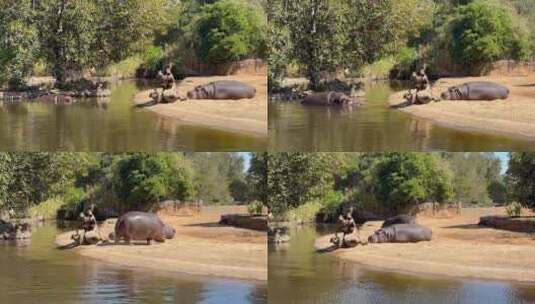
(326, 99)
(401, 233)
(139, 226)
(223, 89)
(476, 90)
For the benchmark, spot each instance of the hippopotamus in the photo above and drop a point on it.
(401, 233)
(399, 219)
(477, 90)
(141, 226)
(327, 99)
(223, 89)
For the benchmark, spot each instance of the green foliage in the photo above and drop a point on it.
(255, 207)
(473, 176)
(257, 177)
(18, 43)
(142, 180)
(230, 30)
(482, 33)
(296, 178)
(305, 213)
(47, 209)
(126, 68)
(406, 179)
(514, 209)
(521, 177)
(497, 192)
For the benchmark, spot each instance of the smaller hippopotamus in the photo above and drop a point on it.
(401, 233)
(140, 226)
(327, 99)
(223, 89)
(476, 90)
(399, 219)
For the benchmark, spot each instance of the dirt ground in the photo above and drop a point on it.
(201, 247)
(459, 248)
(243, 116)
(510, 117)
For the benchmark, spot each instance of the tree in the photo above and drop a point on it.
(18, 50)
(296, 178)
(257, 177)
(521, 177)
(483, 32)
(318, 34)
(406, 179)
(141, 180)
(231, 30)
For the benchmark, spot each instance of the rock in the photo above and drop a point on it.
(91, 237)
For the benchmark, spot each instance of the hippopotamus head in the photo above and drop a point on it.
(453, 93)
(169, 232)
(379, 236)
(199, 92)
(341, 99)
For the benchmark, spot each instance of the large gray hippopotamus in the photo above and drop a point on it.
(477, 90)
(327, 99)
(141, 226)
(399, 219)
(222, 89)
(401, 233)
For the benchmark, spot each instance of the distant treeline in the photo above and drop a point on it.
(392, 37)
(302, 185)
(67, 38)
(41, 183)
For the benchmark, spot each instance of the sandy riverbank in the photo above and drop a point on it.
(243, 116)
(201, 247)
(510, 117)
(459, 248)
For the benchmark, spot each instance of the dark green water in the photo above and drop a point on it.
(37, 272)
(372, 127)
(298, 274)
(111, 125)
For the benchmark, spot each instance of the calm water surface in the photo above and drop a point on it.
(297, 274)
(109, 124)
(37, 272)
(372, 127)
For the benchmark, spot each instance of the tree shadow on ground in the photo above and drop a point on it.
(208, 225)
(465, 226)
(402, 105)
(146, 104)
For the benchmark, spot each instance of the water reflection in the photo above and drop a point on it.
(38, 272)
(373, 127)
(298, 274)
(108, 124)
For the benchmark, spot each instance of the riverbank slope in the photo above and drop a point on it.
(248, 116)
(510, 117)
(201, 247)
(459, 248)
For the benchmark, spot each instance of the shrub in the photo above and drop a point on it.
(305, 213)
(47, 209)
(255, 207)
(514, 209)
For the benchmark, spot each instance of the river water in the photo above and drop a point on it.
(372, 127)
(298, 274)
(38, 272)
(111, 125)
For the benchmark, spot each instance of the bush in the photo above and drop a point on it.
(305, 213)
(255, 208)
(230, 30)
(126, 68)
(379, 69)
(47, 209)
(482, 32)
(514, 209)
